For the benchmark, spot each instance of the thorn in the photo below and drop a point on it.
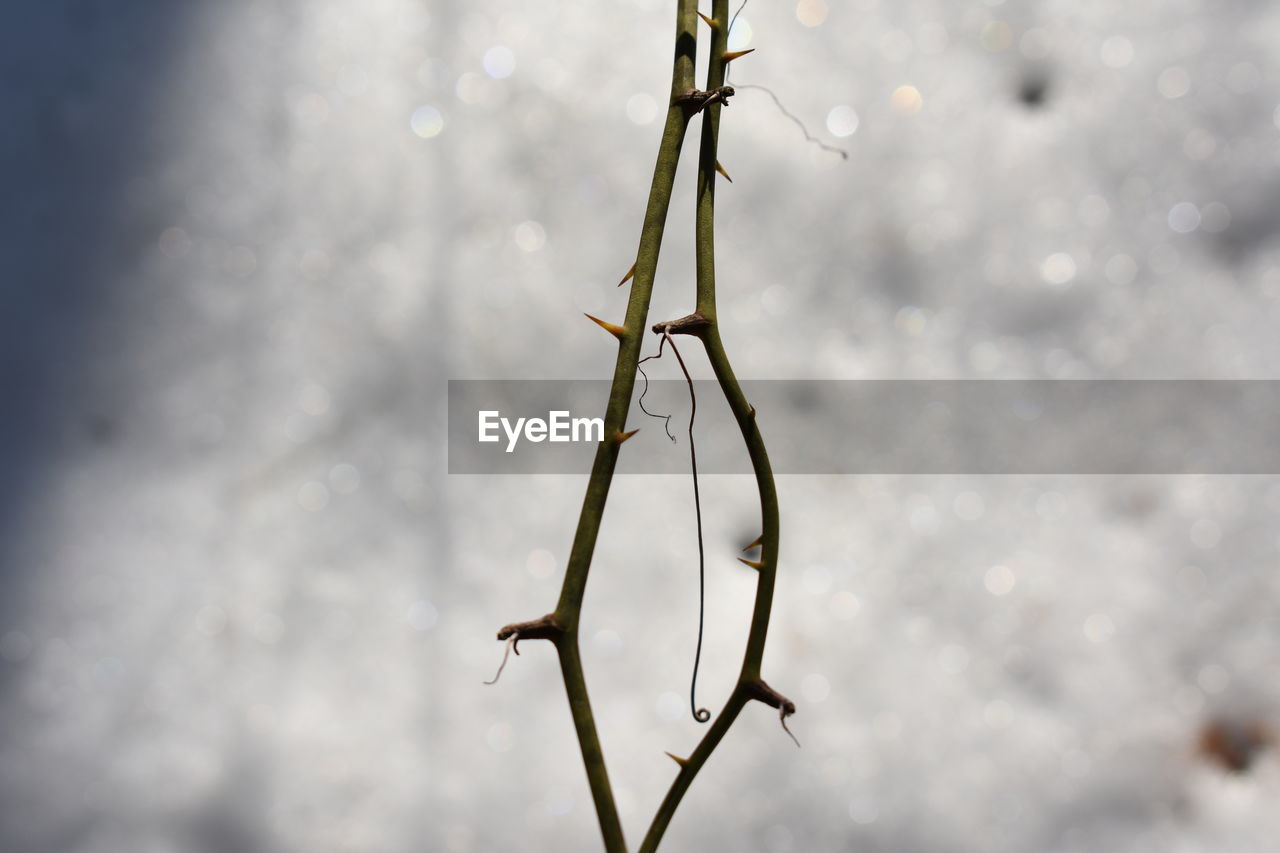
(710, 22)
(731, 55)
(630, 275)
(758, 565)
(751, 410)
(678, 760)
(721, 170)
(617, 331)
(619, 437)
(759, 540)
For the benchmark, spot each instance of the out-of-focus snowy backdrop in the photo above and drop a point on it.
(244, 244)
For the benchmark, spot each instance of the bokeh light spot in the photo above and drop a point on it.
(313, 496)
(1058, 268)
(641, 108)
(500, 737)
(1116, 52)
(997, 36)
(815, 687)
(907, 100)
(999, 580)
(845, 605)
(541, 564)
(499, 62)
(1099, 628)
(1213, 678)
(174, 242)
(1121, 269)
(426, 121)
(422, 615)
(811, 13)
(1184, 217)
(842, 120)
(530, 236)
(344, 478)
(740, 36)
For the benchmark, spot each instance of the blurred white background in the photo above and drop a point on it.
(245, 244)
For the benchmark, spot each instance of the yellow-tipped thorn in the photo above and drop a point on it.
(721, 170)
(630, 275)
(619, 437)
(710, 22)
(756, 544)
(678, 760)
(731, 55)
(616, 331)
(751, 410)
(755, 564)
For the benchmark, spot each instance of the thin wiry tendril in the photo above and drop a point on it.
(702, 715)
(809, 137)
(728, 33)
(666, 424)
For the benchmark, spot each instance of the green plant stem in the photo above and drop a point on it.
(746, 418)
(569, 607)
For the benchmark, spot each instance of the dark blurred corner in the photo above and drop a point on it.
(79, 114)
(78, 125)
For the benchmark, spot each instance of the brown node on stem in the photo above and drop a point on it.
(630, 275)
(542, 628)
(694, 101)
(693, 324)
(762, 692)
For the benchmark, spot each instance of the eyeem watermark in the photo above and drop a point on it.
(1003, 427)
(558, 427)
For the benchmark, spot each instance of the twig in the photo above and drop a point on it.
(569, 607)
(749, 681)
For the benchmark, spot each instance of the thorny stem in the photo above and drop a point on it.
(561, 626)
(569, 607)
(749, 681)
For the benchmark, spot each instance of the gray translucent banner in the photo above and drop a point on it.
(881, 427)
